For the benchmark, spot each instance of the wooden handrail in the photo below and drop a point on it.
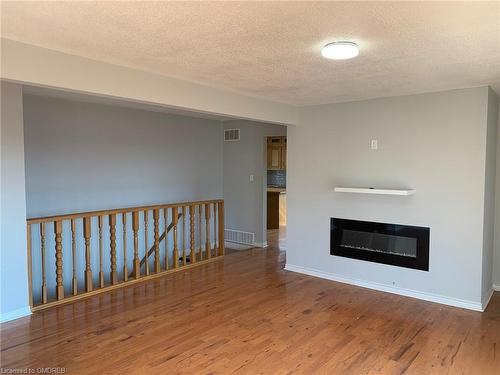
(79, 215)
(77, 248)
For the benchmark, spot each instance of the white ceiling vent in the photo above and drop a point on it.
(231, 135)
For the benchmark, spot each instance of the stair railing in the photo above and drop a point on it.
(192, 234)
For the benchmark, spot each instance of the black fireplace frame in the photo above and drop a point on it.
(421, 234)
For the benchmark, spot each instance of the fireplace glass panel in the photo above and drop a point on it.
(393, 244)
(379, 243)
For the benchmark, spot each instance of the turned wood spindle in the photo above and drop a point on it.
(135, 229)
(112, 251)
(156, 215)
(207, 231)
(174, 235)
(146, 255)
(165, 214)
(44, 275)
(192, 255)
(183, 235)
(124, 228)
(59, 260)
(74, 281)
(215, 229)
(200, 240)
(101, 272)
(221, 228)
(88, 269)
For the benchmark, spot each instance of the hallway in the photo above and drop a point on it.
(276, 238)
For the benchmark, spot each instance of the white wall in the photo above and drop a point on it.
(13, 276)
(489, 195)
(43, 67)
(434, 143)
(244, 201)
(86, 156)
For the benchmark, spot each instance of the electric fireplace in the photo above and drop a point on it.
(394, 244)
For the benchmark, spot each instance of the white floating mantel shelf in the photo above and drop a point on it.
(374, 191)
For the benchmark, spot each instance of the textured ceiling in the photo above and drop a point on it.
(272, 49)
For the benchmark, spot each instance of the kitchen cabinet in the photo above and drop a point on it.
(274, 157)
(276, 208)
(273, 210)
(276, 153)
(283, 154)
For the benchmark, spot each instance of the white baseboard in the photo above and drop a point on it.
(15, 314)
(487, 299)
(465, 304)
(261, 244)
(496, 288)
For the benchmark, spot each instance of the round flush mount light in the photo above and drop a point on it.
(340, 50)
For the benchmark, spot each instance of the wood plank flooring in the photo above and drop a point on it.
(246, 315)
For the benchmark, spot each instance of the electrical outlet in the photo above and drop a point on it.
(251, 178)
(374, 144)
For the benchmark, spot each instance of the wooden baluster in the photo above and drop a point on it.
(199, 233)
(221, 228)
(135, 228)
(87, 224)
(146, 248)
(183, 235)
(165, 214)
(156, 215)
(101, 272)
(30, 264)
(112, 235)
(44, 275)
(74, 281)
(207, 231)
(176, 250)
(215, 229)
(192, 256)
(59, 260)
(124, 225)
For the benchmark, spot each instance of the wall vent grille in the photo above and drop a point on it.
(238, 236)
(231, 135)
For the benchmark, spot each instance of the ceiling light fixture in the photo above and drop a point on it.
(340, 50)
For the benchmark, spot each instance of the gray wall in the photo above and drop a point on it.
(489, 194)
(13, 272)
(434, 143)
(86, 156)
(496, 268)
(245, 201)
(83, 156)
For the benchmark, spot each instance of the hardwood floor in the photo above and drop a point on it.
(246, 315)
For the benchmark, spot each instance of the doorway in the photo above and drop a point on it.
(276, 207)
(247, 176)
